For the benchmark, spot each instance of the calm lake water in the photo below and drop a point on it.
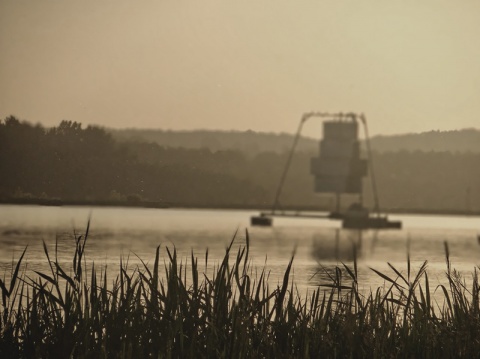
(319, 244)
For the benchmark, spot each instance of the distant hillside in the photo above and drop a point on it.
(71, 164)
(253, 143)
(248, 142)
(466, 140)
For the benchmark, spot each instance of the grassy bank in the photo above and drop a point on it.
(172, 309)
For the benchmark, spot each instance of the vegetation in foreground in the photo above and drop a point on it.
(232, 313)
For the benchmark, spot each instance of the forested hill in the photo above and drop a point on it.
(71, 164)
(252, 143)
(466, 140)
(247, 142)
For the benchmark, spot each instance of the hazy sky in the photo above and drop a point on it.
(409, 65)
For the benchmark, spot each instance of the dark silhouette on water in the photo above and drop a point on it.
(338, 170)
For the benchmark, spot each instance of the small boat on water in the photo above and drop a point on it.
(338, 170)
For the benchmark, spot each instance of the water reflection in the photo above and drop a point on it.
(342, 247)
(116, 232)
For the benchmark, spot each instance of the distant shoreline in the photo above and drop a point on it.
(60, 203)
(165, 205)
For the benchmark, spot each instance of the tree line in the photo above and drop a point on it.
(71, 163)
(252, 143)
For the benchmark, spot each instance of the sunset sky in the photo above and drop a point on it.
(409, 65)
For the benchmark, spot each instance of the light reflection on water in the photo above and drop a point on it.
(318, 244)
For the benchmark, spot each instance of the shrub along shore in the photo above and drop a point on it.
(173, 310)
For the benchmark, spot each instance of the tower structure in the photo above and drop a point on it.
(338, 168)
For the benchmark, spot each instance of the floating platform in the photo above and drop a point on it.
(350, 219)
(338, 169)
(358, 217)
(265, 219)
(370, 223)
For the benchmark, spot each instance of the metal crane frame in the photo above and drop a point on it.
(338, 116)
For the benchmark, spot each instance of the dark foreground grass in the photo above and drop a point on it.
(233, 313)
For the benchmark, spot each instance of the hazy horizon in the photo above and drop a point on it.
(199, 129)
(410, 66)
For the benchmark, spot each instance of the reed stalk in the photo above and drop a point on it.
(179, 312)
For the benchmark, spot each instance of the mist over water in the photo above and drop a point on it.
(319, 245)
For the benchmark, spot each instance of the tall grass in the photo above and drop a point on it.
(173, 310)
